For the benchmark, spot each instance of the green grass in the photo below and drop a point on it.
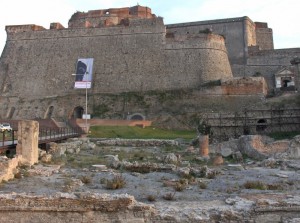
(283, 135)
(128, 132)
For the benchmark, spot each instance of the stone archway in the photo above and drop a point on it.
(77, 112)
(261, 125)
(136, 116)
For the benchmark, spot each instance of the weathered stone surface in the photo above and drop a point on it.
(294, 148)
(75, 208)
(218, 160)
(27, 147)
(252, 146)
(203, 145)
(171, 158)
(8, 167)
(185, 171)
(225, 152)
(135, 142)
(236, 167)
(113, 161)
(46, 158)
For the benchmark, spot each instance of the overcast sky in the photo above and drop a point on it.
(281, 16)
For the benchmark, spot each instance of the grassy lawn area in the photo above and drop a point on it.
(134, 132)
(283, 135)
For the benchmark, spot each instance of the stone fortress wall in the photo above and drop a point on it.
(137, 57)
(133, 51)
(250, 45)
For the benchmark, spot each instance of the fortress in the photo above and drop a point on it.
(140, 63)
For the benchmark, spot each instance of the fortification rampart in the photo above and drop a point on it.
(133, 58)
(237, 32)
(267, 62)
(264, 36)
(134, 51)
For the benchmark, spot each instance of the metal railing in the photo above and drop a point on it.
(9, 139)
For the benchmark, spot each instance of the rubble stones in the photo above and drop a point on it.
(223, 200)
(238, 156)
(226, 152)
(46, 158)
(136, 142)
(113, 161)
(171, 158)
(185, 171)
(250, 145)
(218, 160)
(294, 148)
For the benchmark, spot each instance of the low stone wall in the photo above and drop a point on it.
(75, 208)
(8, 167)
(134, 142)
(244, 86)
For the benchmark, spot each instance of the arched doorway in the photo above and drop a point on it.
(77, 112)
(261, 125)
(49, 112)
(286, 83)
(136, 116)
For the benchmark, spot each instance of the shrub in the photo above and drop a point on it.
(18, 175)
(179, 186)
(151, 197)
(117, 182)
(275, 187)
(258, 185)
(202, 185)
(85, 179)
(169, 196)
(103, 181)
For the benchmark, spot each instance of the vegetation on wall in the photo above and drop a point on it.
(200, 124)
(136, 97)
(207, 31)
(257, 74)
(100, 110)
(212, 83)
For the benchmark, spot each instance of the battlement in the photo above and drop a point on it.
(109, 17)
(23, 28)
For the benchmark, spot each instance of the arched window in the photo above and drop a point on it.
(261, 125)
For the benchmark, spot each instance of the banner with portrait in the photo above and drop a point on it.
(84, 71)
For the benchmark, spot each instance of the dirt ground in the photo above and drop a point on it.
(188, 186)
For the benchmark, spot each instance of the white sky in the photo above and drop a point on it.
(281, 16)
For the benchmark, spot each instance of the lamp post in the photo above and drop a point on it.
(84, 68)
(86, 98)
(86, 126)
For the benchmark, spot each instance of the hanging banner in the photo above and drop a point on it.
(83, 75)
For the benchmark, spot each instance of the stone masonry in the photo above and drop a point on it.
(27, 147)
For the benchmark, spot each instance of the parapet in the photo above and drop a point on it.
(23, 28)
(108, 17)
(56, 25)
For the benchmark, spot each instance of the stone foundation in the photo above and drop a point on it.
(75, 208)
